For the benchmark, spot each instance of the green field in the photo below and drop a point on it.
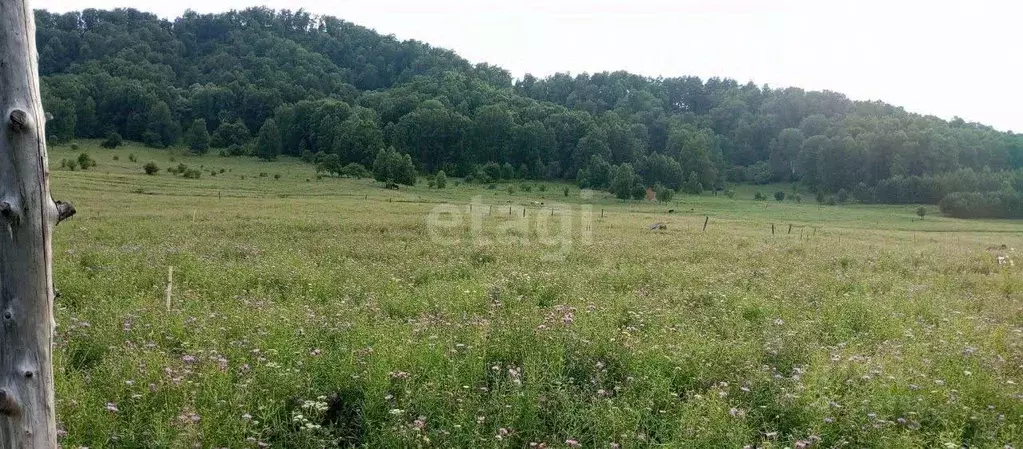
(312, 313)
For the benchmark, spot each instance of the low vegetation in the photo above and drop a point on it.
(331, 312)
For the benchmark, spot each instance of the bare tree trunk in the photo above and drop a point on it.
(27, 218)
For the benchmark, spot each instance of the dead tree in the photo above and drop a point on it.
(27, 218)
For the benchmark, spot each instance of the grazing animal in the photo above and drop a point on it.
(671, 211)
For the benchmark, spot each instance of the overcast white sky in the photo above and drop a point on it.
(944, 58)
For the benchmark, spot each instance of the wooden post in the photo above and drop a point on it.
(170, 286)
(523, 211)
(705, 221)
(790, 228)
(772, 228)
(27, 217)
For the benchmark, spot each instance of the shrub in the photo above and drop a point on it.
(921, 211)
(151, 168)
(511, 189)
(441, 179)
(113, 141)
(843, 196)
(664, 194)
(566, 191)
(74, 147)
(759, 196)
(191, 173)
(779, 196)
(131, 157)
(355, 170)
(117, 158)
(730, 193)
(542, 187)
(797, 198)
(85, 161)
(277, 176)
(526, 188)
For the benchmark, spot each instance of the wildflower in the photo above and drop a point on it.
(247, 417)
(111, 407)
(572, 443)
(397, 411)
(188, 359)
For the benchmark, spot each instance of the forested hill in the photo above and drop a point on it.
(318, 84)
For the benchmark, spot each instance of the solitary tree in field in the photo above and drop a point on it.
(198, 138)
(27, 218)
(268, 144)
(921, 211)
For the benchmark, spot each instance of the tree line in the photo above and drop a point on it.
(268, 83)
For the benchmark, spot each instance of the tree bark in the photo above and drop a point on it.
(27, 218)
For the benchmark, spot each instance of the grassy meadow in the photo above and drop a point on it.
(334, 312)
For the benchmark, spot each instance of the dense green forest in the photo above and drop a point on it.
(265, 82)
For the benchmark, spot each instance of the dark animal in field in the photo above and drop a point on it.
(671, 211)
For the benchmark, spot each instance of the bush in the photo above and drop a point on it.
(664, 194)
(85, 161)
(526, 188)
(431, 184)
(355, 170)
(511, 189)
(191, 173)
(131, 157)
(730, 193)
(117, 158)
(779, 196)
(113, 141)
(759, 197)
(921, 211)
(843, 196)
(441, 179)
(74, 147)
(566, 191)
(797, 198)
(277, 176)
(151, 168)
(542, 187)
